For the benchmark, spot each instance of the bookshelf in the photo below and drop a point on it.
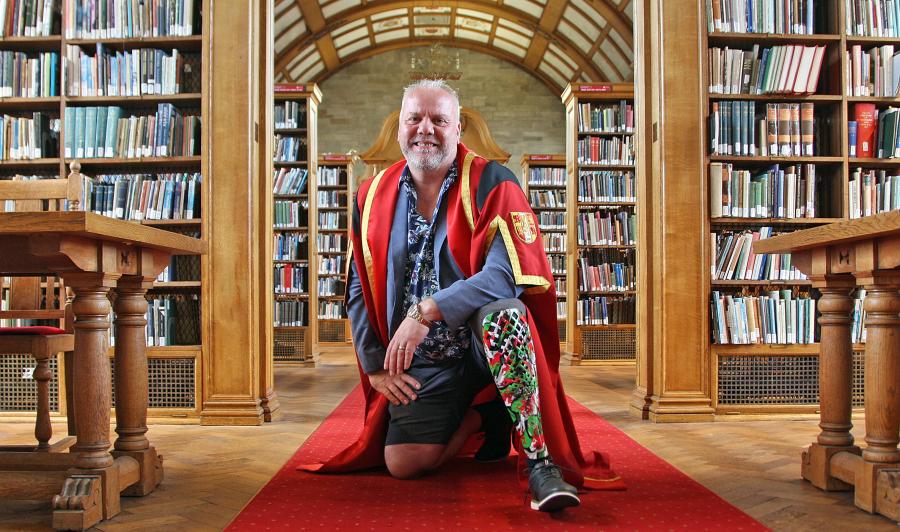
(334, 193)
(296, 108)
(602, 246)
(544, 181)
(800, 173)
(137, 138)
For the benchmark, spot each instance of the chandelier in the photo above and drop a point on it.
(435, 62)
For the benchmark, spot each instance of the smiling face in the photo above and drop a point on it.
(429, 129)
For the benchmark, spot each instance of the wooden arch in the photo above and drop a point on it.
(475, 135)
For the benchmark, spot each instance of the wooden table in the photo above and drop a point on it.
(94, 255)
(839, 257)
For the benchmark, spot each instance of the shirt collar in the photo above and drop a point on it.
(449, 178)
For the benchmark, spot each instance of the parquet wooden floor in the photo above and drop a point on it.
(211, 472)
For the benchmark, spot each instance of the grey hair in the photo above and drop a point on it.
(439, 84)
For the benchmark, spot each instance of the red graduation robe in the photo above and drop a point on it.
(486, 202)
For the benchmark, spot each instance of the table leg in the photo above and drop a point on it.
(131, 382)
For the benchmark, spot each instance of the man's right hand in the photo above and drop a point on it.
(397, 388)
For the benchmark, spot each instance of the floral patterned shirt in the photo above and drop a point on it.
(441, 344)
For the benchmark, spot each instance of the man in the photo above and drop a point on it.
(441, 239)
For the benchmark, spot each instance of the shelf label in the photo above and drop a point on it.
(596, 88)
(289, 87)
(539, 157)
(335, 157)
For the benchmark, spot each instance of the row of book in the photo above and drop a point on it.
(546, 176)
(605, 227)
(873, 192)
(289, 149)
(331, 286)
(599, 270)
(332, 198)
(782, 69)
(734, 258)
(331, 242)
(779, 317)
(606, 186)
(127, 19)
(332, 176)
(333, 220)
(181, 267)
(559, 284)
(606, 150)
(605, 310)
(290, 181)
(787, 129)
(332, 310)
(761, 16)
(554, 242)
(22, 76)
(562, 310)
(290, 115)
(29, 18)
(858, 318)
(28, 138)
(775, 192)
(606, 118)
(291, 213)
(557, 264)
(171, 320)
(104, 132)
(873, 18)
(552, 199)
(551, 220)
(290, 313)
(874, 132)
(291, 278)
(875, 72)
(174, 196)
(291, 246)
(122, 73)
(332, 264)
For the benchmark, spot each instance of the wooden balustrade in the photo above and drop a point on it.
(861, 253)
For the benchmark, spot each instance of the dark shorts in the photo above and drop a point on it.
(441, 403)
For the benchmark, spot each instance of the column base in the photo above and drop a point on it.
(271, 407)
(232, 413)
(815, 466)
(151, 471)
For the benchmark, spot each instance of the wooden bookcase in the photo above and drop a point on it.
(612, 340)
(334, 193)
(175, 369)
(544, 181)
(294, 196)
(783, 377)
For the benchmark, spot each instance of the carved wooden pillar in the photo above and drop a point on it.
(131, 363)
(43, 430)
(91, 367)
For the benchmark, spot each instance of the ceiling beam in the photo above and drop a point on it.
(549, 21)
(315, 21)
(615, 18)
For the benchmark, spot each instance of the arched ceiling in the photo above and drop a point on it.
(558, 41)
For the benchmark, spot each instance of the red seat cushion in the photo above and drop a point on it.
(36, 330)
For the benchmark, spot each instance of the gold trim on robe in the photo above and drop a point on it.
(538, 283)
(364, 226)
(465, 191)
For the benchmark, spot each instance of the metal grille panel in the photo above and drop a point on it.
(170, 380)
(562, 330)
(859, 379)
(608, 344)
(290, 345)
(333, 331)
(768, 380)
(18, 394)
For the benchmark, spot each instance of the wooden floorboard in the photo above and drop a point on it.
(212, 472)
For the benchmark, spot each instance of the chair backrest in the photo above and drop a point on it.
(39, 298)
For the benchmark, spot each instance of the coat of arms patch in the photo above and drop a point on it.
(525, 227)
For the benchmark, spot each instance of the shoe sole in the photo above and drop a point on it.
(555, 501)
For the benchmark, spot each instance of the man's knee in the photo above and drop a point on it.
(412, 460)
(495, 306)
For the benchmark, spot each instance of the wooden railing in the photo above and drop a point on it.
(838, 257)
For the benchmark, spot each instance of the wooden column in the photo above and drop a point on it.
(835, 381)
(265, 128)
(643, 95)
(675, 316)
(232, 295)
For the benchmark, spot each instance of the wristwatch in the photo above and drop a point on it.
(415, 312)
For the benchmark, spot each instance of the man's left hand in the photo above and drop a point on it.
(402, 346)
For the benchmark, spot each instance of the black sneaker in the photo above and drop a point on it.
(549, 492)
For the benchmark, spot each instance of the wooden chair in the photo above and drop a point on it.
(25, 302)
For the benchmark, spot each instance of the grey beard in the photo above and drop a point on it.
(424, 162)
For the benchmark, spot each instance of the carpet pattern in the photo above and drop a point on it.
(466, 495)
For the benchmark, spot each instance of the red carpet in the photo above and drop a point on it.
(470, 496)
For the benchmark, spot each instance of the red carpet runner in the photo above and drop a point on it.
(465, 495)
